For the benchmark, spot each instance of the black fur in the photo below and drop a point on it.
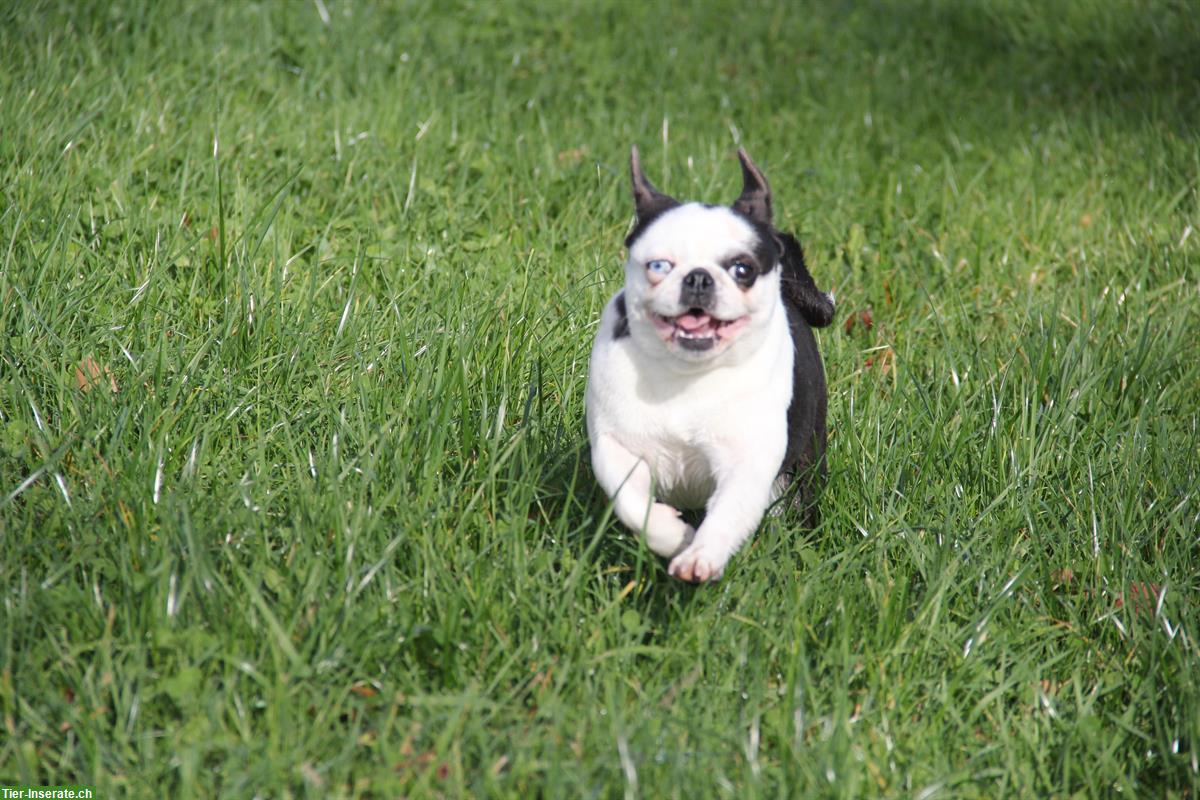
(804, 460)
(621, 329)
(807, 308)
(799, 288)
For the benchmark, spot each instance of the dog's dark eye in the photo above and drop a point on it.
(741, 270)
(659, 266)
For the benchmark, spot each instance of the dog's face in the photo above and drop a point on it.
(700, 281)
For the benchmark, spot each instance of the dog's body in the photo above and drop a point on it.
(705, 387)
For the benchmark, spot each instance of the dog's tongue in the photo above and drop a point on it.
(692, 321)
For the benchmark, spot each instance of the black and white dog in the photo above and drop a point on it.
(705, 387)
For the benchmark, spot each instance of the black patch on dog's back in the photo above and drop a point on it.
(621, 329)
(807, 308)
(804, 459)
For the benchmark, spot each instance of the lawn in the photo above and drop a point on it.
(296, 300)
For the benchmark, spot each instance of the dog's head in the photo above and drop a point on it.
(701, 280)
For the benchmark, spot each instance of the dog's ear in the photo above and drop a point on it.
(648, 201)
(755, 200)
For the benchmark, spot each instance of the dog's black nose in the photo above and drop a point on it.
(697, 289)
(698, 280)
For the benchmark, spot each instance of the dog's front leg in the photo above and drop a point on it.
(734, 512)
(626, 478)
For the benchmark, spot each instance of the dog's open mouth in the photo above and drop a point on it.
(696, 329)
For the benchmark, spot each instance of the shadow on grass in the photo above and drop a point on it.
(568, 488)
(1134, 62)
(569, 498)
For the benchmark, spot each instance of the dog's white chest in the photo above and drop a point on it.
(689, 428)
(676, 439)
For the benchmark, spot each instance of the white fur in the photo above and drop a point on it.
(675, 428)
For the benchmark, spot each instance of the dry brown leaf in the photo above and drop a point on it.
(89, 374)
(861, 317)
(572, 156)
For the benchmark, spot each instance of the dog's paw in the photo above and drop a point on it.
(698, 564)
(666, 533)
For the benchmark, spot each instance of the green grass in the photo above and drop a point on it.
(335, 534)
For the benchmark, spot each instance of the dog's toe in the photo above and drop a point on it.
(695, 565)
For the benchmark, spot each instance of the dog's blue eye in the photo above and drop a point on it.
(659, 266)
